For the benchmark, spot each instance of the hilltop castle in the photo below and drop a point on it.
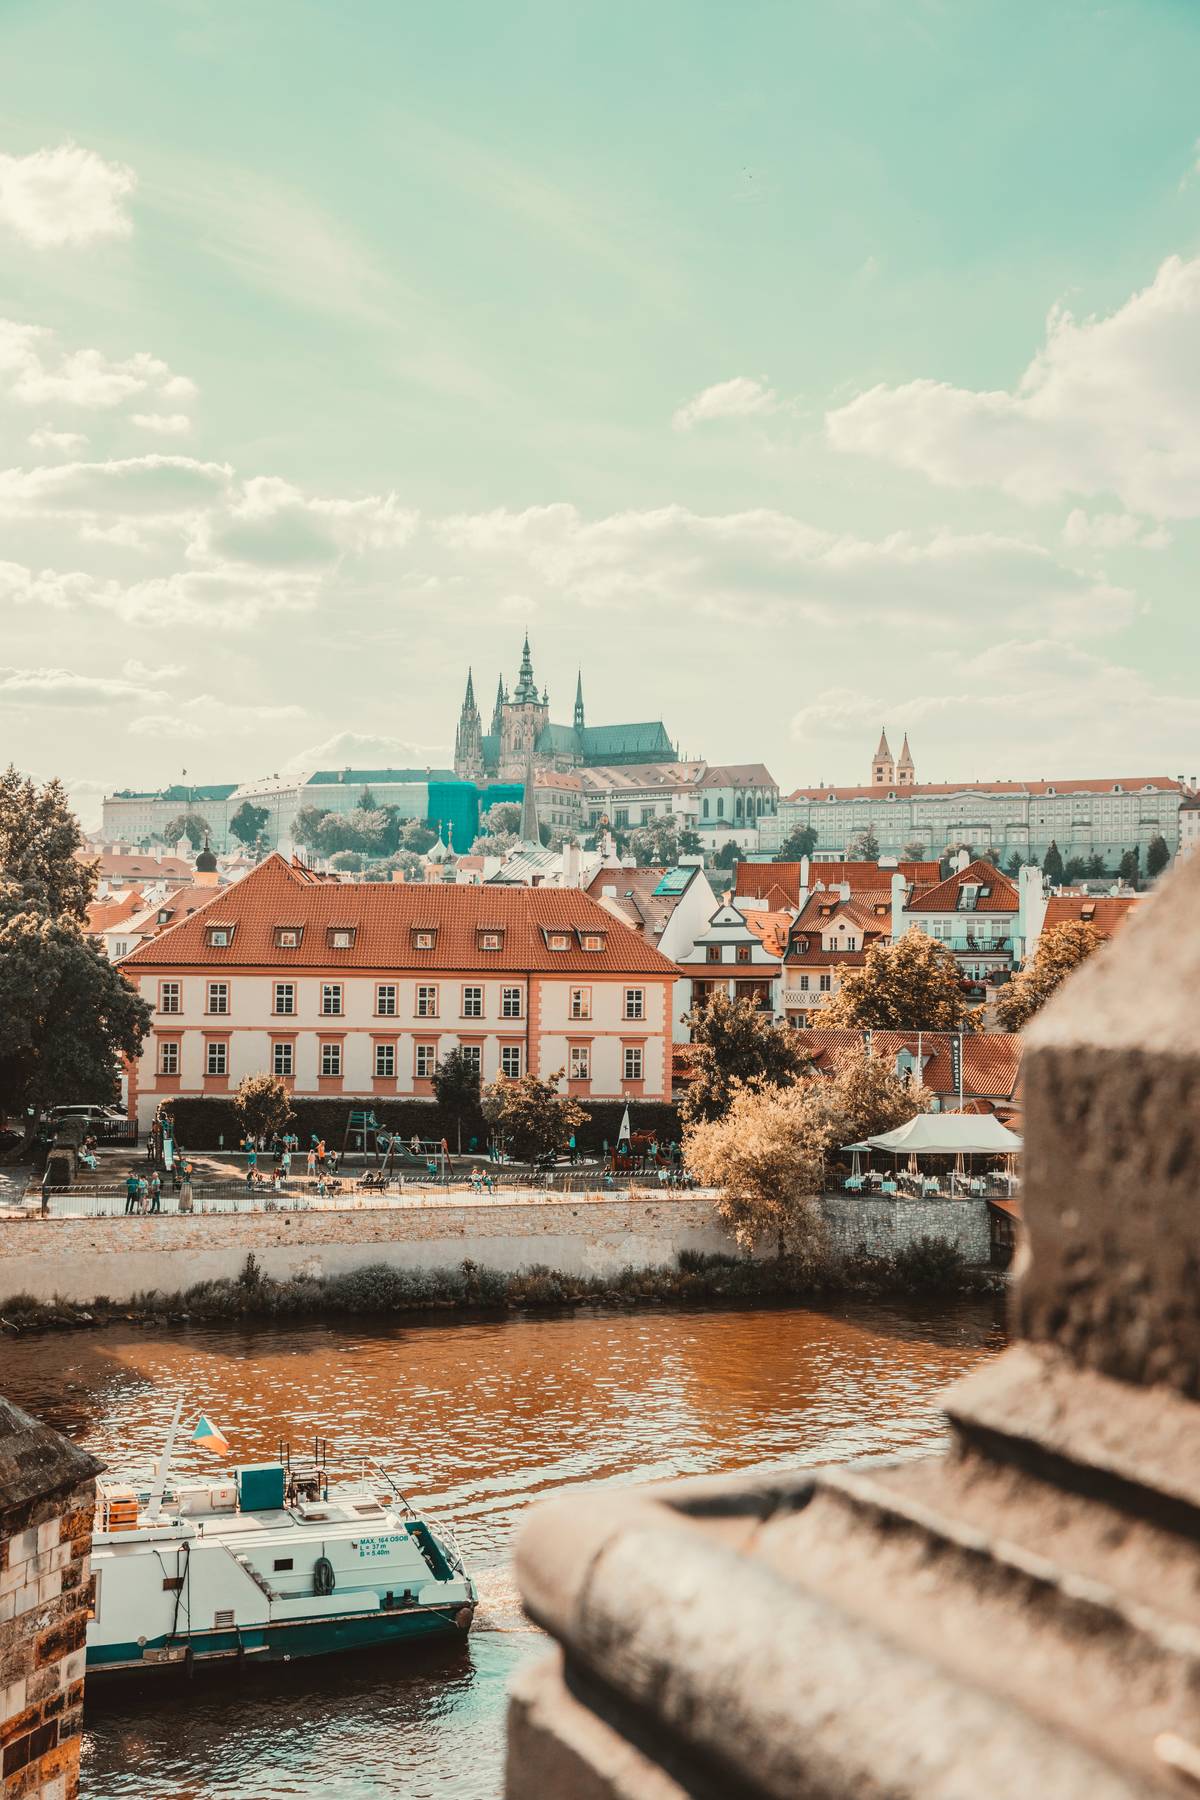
(520, 733)
(886, 771)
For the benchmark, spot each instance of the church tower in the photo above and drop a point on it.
(497, 723)
(579, 702)
(906, 774)
(883, 769)
(524, 717)
(468, 739)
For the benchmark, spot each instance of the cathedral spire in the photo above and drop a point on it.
(468, 740)
(498, 709)
(525, 693)
(579, 701)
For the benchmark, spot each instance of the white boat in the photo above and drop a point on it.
(275, 1561)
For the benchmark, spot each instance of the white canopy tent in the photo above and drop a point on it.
(946, 1134)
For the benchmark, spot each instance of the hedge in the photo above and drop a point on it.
(201, 1123)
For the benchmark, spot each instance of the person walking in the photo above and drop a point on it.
(311, 1160)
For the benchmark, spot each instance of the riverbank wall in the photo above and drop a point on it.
(86, 1259)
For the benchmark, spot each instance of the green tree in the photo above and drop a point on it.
(68, 1014)
(728, 855)
(1075, 870)
(502, 819)
(416, 837)
(1096, 870)
(1158, 856)
(350, 862)
(495, 843)
(798, 844)
(1060, 950)
(190, 825)
(249, 822)
(263, 1104)
(1127, 868)
(863, 846)
(1052, 865)
(734, 1043)
(689, 842)
(533, 1118)
(308, 824)
(655, 842)
(911, 985)
(456, 1089)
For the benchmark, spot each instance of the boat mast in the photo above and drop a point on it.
(164, 1463)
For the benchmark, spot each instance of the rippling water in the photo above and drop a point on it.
(483, 1418)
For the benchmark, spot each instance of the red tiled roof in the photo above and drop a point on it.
(385, 915)
(102, 915)
(110, 863)
(750, 877)
(991, 1060)
(1129, 784)
(1106, 913)
(859, 909)
(770, 928)
(944, 897)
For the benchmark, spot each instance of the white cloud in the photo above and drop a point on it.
(167, 424)
(270, 521)
(134, 485)
(133, 670)
(1112, 531)
(46, 438)
(361, 750)
(741, 398)
(64, 196)
(1056, 690)
(65, 687)
(35, 372)
(205, 714)
(232, 597)
(1107, 406)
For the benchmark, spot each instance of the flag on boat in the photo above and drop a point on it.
(209, 1437)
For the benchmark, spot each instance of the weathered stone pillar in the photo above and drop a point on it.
(47, 1497)
(1018, 1618)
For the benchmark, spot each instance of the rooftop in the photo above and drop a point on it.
(1116, 784)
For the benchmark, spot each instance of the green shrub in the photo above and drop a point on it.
(929, 1265)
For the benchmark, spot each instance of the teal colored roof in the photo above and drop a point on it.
(178, 794)
(674, 881)
(374, 777)
(556, 739)
(648, 740)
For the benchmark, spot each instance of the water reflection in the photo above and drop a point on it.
(479, 1418)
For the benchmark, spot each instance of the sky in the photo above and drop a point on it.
(795, 369)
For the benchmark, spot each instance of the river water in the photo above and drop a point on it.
(483, 1418)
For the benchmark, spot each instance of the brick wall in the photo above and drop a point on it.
(878, 1225)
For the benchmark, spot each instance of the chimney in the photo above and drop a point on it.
(962, 860)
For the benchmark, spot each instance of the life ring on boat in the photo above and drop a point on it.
(323, 1576)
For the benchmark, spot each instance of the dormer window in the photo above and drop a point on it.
(424, 937)
(592, 940)
(287, 937)
(490, 939)
(558, 940)
(219, 937)
(341, 937)
(163, 916)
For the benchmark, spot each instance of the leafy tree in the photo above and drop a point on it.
(797, 845)
(190, 825)
(911, 985)
(495, 843)
(350, 862)
(68, 1014)
(1052, 865)
(533, 1117)
(769, 1152)
(367, 801)
(248, 822)
(1157, 856)
(728, 855)
(416, 837)
(1096, 870)
(1127, 868)
(39, 838)
(1013, 865)
(504, 817)
(263, 1104)
(1059, 952)
(1075, 870)
(655, 842)
(863, 846)
(456, 1088)
(914, 851)
(306, 827)
(689, 842)
(733, 1042)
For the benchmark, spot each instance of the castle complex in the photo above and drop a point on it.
(886, 771)
(521, 734)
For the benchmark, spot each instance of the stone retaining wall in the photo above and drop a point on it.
(86, 1259)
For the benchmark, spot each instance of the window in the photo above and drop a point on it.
(168, 996)
(713, 953)
(331, 1059)
(558, 940)
(472, 1055)
(427, 1003)
(826, 983)
(423, 940)
(581, 1062)
(218, 936)
(216, 1060)
(635, 1003)
(385, 1061)
(281, 1563)
(743, 953)
(287, 937)
(121, 947)
(804, 984)
(285, 997)
(622, 818)
(851, 943)
(720, 806)
(510, 1003)
(385, 999)
(647, 814)
(704, 808)
(633, 1062)
(491, 940)
(510, 1059)
(425, 1061)
(472, 1003)
(218, 997)
(341, 937)
(283, 1059)
(331, 998)
(592, 940)
(581, 1003)
(168, 1059)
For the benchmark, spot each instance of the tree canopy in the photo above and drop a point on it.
(911, 985)
(1158, 855)
(1052, 865)
(1127, 868)
(190, 825)
(1060, 950)
(798, 844)
(68, 1013)
(863, 846)
(456, 1088)
(534, 1118)
(658, 841)
(263, 1104)
(248, 822)
(734, 1043)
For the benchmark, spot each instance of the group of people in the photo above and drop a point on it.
(143, 1194)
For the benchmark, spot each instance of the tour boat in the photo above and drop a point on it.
(279, 1560)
